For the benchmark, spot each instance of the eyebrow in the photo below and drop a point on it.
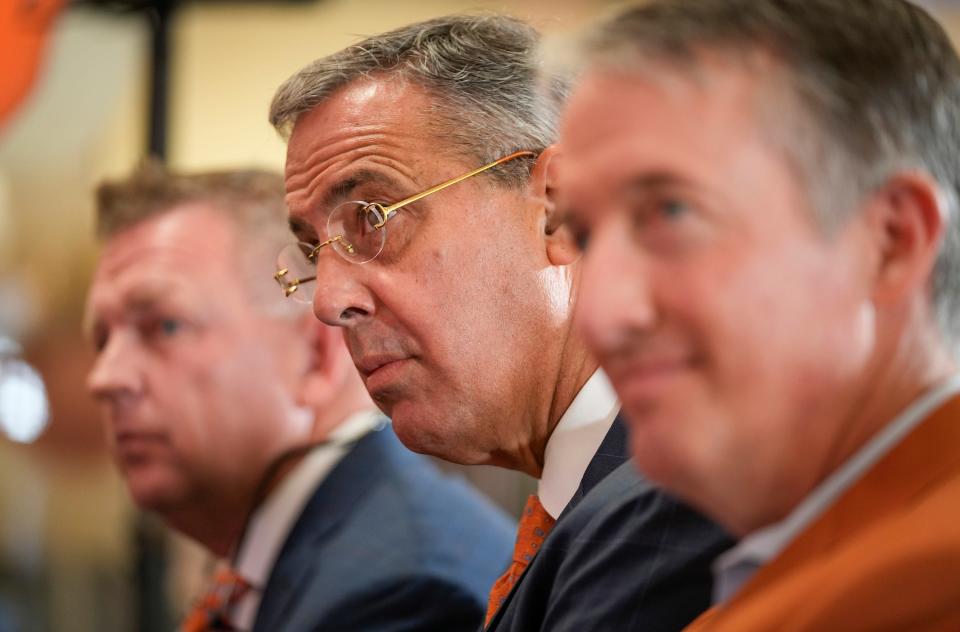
(652, 181)
(302, 230)
(341, 192)
(343, 189)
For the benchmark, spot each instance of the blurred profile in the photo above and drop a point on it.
(768, 208)
(241, 422)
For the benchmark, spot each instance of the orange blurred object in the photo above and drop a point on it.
(24, 28)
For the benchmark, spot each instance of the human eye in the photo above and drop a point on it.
(99, 337)
(664, 221)
(578, 230)
(673, 209)
(374, 218)
(659, 208)
(161, 329)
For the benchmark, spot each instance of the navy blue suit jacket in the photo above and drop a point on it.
(387, 543)
(622, 556)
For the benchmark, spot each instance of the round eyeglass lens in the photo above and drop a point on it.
(296, 274)
(356, 223)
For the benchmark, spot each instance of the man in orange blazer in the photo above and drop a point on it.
(769, 212)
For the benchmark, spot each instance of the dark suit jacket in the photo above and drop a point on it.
(387, 543)
(622, 556)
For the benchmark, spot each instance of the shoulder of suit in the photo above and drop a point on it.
(626, 506)
(621, 490)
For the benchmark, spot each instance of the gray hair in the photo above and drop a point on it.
(484, 72)
(874, 86)
(252, 199)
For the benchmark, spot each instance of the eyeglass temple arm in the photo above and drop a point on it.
(443, 185)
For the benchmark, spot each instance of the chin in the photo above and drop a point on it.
(440, 435)
(153, 491)
(656, 446)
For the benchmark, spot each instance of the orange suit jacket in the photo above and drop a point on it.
(885, 556)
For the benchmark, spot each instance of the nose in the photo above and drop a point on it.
(115, 373)
(615, 302)
(341, 297)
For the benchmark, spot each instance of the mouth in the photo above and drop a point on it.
(133, 441)
(380, 371)
(648, 379)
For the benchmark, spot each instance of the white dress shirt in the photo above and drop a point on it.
(575, 440)
(273, 520)
(734, 568)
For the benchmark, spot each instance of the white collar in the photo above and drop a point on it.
(735, 567)
(574, 442)
(271, 523)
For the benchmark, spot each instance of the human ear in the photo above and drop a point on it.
(561, 248)
(323, 374)
(907, 218)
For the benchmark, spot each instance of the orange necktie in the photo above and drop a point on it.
(211, 610)
(535, 524)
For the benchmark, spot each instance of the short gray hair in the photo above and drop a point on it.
(484, 71)
(874, 84)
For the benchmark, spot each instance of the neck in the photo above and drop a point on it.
(216, 518)
(913, 366)
(564, 380)
(215, 523)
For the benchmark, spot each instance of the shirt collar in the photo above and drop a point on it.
(273, 520)
(735, 567)
(574, 442)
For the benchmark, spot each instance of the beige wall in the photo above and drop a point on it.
(231, 60)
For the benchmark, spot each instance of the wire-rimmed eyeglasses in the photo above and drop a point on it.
(357, 232)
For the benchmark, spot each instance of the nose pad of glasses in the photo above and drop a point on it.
(343, 243)
(289, 287)
(376, 215)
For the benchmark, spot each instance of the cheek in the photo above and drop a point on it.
(786, 332)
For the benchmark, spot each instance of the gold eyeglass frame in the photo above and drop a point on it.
(290, 286)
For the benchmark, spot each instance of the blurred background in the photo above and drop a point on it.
(190, 80)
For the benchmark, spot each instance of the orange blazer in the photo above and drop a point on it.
(885, 556)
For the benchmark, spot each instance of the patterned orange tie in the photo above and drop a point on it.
(211, 610)
(535, 524)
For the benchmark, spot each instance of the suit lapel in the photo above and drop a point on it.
(927, 455)
(331, 503)
(610, 455)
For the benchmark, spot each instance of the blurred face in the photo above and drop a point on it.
(732, 327)
(452, 325)
(195, 385)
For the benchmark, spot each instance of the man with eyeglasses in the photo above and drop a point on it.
(239, 419)
(420, 171)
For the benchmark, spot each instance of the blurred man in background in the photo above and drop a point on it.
(239, 419)
(456, 302)
(771, 280)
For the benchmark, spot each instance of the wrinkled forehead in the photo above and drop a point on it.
(385, 119)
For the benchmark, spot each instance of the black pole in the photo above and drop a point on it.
(153, 609)
(160, 18)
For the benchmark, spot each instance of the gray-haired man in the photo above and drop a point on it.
(419, 171)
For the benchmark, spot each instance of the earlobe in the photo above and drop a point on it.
(561, 248)
(908, 221)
